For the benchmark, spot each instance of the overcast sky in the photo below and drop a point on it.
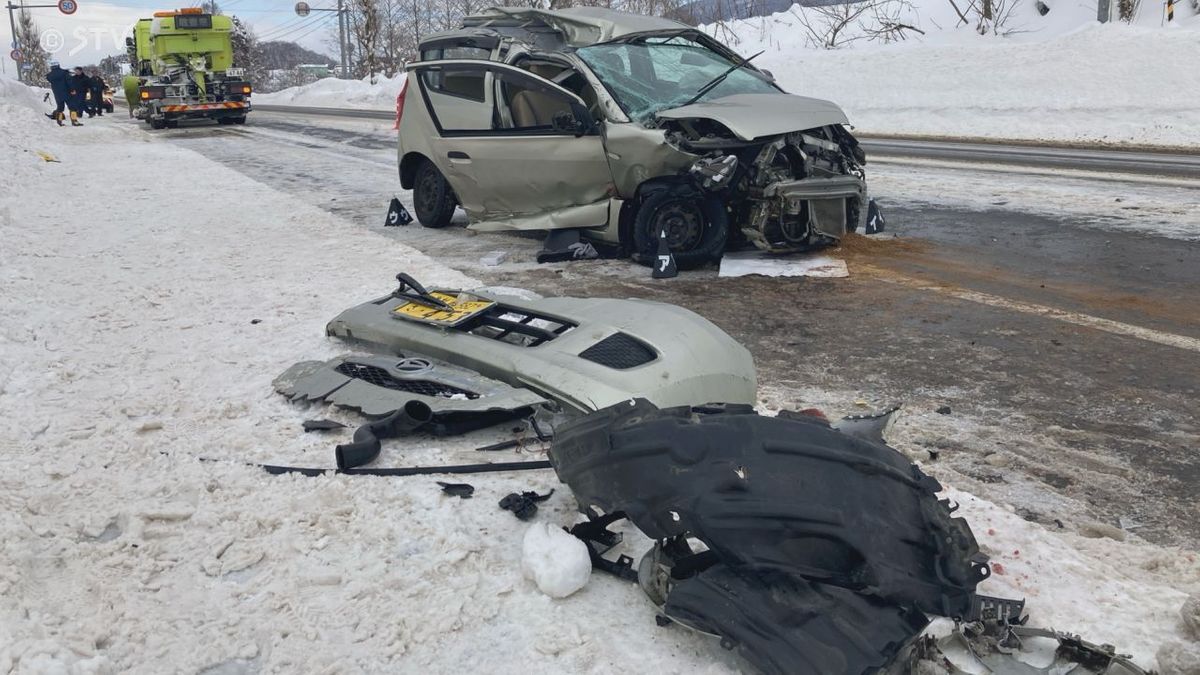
(98, 29)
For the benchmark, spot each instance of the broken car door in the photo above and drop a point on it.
(520, 151)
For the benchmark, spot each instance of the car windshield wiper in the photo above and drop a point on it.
(712, 84)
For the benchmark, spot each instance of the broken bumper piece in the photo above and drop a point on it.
(584, 353)
(380, 385)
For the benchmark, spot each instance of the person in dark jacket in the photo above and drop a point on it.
(79, 83)
(96, 87)
(60, 86)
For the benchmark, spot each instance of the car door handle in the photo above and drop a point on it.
(455, 154)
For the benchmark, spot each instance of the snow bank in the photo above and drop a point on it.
(136, 358)
(1102, 84)
(13, 93)
(556, 561)
(331, 92)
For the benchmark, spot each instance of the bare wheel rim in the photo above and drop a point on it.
(683, 223)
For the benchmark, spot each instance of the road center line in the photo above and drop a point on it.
(1086, 320)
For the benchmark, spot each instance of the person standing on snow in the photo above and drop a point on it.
(96, 87)
(79, 83)
(60, 86)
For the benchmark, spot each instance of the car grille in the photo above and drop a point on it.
(619, 351)
(381, 378)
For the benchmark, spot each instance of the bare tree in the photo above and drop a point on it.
(836, 26)
(29, 41)
(365, 24)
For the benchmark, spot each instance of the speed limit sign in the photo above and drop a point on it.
(302, 9)
(67, 6)
(15, 55)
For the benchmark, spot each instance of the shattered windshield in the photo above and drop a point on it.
(658, 73)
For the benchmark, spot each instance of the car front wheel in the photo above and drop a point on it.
(433, 197)
(696, 227)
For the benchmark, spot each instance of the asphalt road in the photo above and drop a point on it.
(1061, 341)
(1163, 163)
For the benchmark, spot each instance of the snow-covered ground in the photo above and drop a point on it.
(142, 336)
(1061, 77)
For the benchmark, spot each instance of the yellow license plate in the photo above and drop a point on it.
(462, 310)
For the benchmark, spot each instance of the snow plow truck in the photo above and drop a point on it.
(182, 69)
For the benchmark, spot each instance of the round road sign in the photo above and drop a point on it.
(302, 9)
(15, 55)
(67, 6)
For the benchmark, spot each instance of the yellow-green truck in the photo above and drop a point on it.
(182, 68)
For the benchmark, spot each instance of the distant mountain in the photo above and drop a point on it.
(281, 55)
(708, 11)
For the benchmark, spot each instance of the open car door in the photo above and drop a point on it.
(521, 152)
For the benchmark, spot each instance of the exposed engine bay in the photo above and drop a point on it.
(785, 193)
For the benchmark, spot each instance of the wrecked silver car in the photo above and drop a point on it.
(626, 128)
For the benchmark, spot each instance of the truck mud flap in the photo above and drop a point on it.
(792, 496)
(784, 624)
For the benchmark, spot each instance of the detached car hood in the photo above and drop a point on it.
(752, 116)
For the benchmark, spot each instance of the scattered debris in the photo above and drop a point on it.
(380, 385)
(255, 322)
(563, 245)
(997, 647)
(493, 258)
(461, 490)
(322, 425)
(943, 410)
(554, 560)
(855, 547)
(745, 263)
(523, 505)
(47, 157)
(599, 539)
(366, 444)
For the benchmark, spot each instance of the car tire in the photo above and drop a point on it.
(433, 198)
(157, 124)
(698, 227)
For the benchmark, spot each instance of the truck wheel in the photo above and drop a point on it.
(239, 120)
(157, 124)
(696, 224)
(433, 197)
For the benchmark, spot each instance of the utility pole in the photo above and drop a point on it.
(342, 39)
(15, 44)
(303, 9)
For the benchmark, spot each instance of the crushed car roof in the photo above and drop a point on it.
(580, 26)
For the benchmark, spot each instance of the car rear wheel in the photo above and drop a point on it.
(695, 224)
(433, 198)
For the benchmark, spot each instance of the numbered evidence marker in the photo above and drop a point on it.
(875, 220)
(397, 214)
(664, 261)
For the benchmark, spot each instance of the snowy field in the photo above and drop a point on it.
(1062, 77)
(138, 339)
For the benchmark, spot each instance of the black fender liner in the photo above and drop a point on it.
(786, 625)
(788, 495)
